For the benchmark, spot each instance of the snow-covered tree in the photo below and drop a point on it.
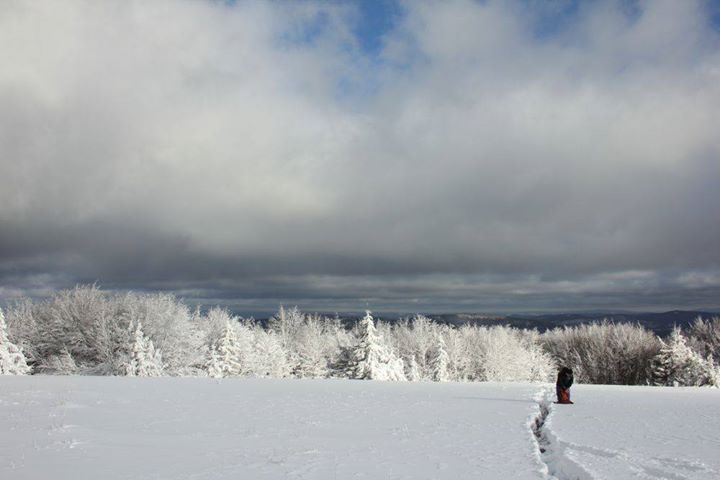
(287, 324)
(171, 325)
(214, 368)
(542, 366)
(270, 357)
(371, 359)
(414, 374)
(440, 361)
(678, 365)
(604, 353)
(313, 346)
(704, 337)
(145, 360)
(22, 329)
(60, 364)
(228, 352)
(415, 338)
(84, 321)
(12, 360)
(460, 348)
(512, 355)
(366, 361)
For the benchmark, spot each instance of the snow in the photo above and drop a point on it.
(68, 427)
(619, 432)
(193, 428)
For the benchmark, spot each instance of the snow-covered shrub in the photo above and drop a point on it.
(678, 365)
(506, 354)
(170, 325)
(413, 374)
(604, 353)
(415, 341)
(84, 322)
(22, 329)
(542, 366)
(226, 354)
(704, 337)
(144, 360)
(371, 358)
(246, 349)
(313, 347)
(496, 353)
(12, 360)
(286, 325)
(60, 364)
(459, 346)
(271, 360)
(212, 325)
(311, 343)
(213, 365)
(91, 328)
(341, 340)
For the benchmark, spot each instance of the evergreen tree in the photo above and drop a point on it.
(270, 357)
(145, 360)
(155, 366)
(214, 367)
(440, 361)
(12, 360)
(228, 351)
(371, 359)
(414, 374)
(678, 365)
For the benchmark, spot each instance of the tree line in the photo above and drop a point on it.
(86, 331)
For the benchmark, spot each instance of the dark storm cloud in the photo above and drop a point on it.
(478, 159)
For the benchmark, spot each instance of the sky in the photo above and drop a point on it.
(424, 156)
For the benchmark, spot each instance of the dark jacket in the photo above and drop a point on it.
(565, 378)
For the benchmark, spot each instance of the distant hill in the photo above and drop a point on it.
(660, 323)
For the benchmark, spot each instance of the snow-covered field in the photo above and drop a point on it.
(173, 428)
(638, 432)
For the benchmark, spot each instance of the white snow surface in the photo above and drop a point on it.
(182, 428)
(624, 432)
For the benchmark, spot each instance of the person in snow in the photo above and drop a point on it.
(564, 382)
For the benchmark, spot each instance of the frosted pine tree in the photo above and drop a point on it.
(715, 373)
(313, 342)
(440, 360)
(214, 368)
(228, 352)
(155, 366)
(12, 360)
(394, 368)
(371, 359)
(678, 365)
(270, 358)
(414, 374)
(145, 360)
(366, 358)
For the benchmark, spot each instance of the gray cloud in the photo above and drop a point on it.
(223, 152)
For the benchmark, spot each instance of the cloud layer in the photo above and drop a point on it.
(495, 155)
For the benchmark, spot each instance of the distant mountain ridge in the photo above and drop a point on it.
(661, 323)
